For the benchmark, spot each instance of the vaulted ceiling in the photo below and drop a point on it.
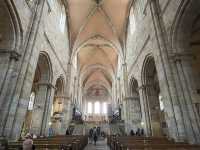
(97, 36)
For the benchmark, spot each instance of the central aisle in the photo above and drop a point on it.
(101, 145)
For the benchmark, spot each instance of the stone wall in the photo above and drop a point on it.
(154, 37)
(40, 33)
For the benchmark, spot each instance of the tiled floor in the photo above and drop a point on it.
(101, 145)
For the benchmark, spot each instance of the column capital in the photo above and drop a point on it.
(131, 98)
(184, 56)
(62, 96)
(13, 53)
(144, 86)
(49, 85)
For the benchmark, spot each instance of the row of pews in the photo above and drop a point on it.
(147, 143)
(55, 143)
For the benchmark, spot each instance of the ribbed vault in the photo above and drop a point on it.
(97, 36)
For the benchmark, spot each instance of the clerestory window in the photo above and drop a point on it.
(62, 19)
(97, 107)
(89, 108)
(132, 21)
(31, 101)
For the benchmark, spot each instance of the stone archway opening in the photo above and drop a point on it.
(154, 100)
(37, 111)
(28, 118)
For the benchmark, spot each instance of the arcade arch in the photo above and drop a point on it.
(41, 88)
(185, 44)
(156, 115)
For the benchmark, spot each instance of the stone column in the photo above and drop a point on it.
(125, 100)
(8, 75)
(15, 83)
(165, 76)
(40, 112)
(135, 112)
(66, 111)
(57, 119)
(48, 109)
(118, 90)
(154, 110)
(187, 94)
(69, 99)
(146, 118)
(74, 91)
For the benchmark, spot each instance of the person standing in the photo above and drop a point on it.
(95, 135)
(132, 133)
(90, 135)
(67, 132)
(51, 131)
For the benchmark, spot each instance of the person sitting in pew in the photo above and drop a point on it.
(67, 132)
(138, 132)
(142, 132)
(132, 133)
(28, 142)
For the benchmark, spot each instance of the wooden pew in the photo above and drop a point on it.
(147, 143)
(57, 142)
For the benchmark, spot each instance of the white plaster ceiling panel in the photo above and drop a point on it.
(86, 70)
(96, 83)
(102, 74)
(97, 31)
(78, 13)
(97, 76)
(117, 12)
(97, 25)
(91, 55)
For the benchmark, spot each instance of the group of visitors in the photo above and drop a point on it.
(139, 132)
(94, 133)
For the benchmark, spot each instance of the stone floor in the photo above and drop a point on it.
(101, 145)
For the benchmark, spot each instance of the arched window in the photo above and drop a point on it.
(97, 107)
(62, 19)
(161, 102)
(105, 109)
(89, 110)
(132, 21)
(31, 101)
